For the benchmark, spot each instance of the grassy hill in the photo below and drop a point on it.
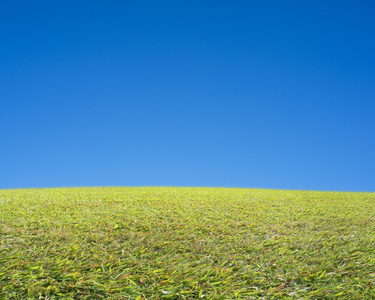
(186, 243)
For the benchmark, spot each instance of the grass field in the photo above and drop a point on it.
(186, 243)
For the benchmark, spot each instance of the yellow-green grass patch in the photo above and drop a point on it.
(186, 243)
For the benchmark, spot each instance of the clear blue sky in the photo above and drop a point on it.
(268, 94)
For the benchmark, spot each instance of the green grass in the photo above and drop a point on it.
(186, 243)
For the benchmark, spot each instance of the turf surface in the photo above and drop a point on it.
(186, 243)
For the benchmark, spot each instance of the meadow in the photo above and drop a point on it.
(186, 243)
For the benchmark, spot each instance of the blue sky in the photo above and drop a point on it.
(258, 94)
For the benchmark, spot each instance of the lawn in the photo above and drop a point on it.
(186, 243)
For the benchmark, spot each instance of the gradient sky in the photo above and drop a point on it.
(258, 94)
